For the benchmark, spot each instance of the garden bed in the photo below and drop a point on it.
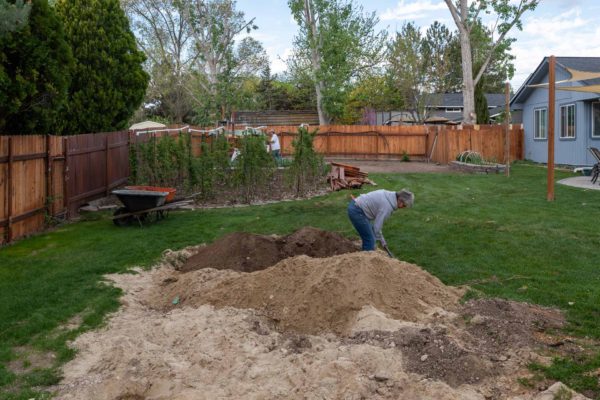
(486, 168)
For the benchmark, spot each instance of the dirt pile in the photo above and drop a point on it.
(313, 295)
(424, 346)
(247, 252)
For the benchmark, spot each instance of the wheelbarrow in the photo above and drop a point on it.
(141, 203)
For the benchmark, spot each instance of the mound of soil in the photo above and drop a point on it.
(312, 295)
(199, 351)
(248, 252)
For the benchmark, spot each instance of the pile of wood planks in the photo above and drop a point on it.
(343, 176)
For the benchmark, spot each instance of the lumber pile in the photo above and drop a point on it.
(343, 176)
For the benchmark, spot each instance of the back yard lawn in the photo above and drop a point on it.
(498, 235)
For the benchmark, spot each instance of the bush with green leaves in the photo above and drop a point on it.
(162, 161)
(307, 169)
(212, 167)
(254, 166)
(470, 157)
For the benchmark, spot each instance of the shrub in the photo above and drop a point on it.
(307, 168)
(162, 161)
(470, 157)
(212, 167)
(254, 166)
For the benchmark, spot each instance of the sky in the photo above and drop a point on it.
(564, 28)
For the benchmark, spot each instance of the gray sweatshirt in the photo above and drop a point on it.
(377, 206)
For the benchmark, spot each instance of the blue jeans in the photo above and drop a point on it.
(277, 156)
(362, 225)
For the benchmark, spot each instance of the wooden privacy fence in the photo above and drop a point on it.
(436, 143)
(51, 176)
(441, 143)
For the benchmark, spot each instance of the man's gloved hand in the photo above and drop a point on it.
(383, 243)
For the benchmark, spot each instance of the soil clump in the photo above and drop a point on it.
(248, 252)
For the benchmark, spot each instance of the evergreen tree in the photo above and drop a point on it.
(34, 73)
(108, 82)
(481, 104)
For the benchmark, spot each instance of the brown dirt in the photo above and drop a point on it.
(247, 252)
(398, 333)
(395, 166)
(313, 295)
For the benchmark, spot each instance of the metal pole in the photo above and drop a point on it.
(551, 123)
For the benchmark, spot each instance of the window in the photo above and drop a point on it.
(540, 130)
(567, 121)
(453, 109)
(596, 120)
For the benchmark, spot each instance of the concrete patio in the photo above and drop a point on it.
(583, 182)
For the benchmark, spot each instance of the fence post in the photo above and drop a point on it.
(107, 159)
(66, 199)
(48, 177)
(377, 144)
(9, 193)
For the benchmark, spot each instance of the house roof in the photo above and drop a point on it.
(590, 64)
(452, 100)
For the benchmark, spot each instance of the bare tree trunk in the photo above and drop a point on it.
(316, 61)
(468, 86)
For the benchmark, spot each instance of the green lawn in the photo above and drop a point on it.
(496, 234)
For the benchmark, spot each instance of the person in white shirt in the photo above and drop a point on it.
(275, 146)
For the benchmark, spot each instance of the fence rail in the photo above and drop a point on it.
(43, 176)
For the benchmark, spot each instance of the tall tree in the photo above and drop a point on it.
(166, 38)
(375, 92)
(417, 66)
(221, 65)
(465, 17)
(337, 42)
(108, 81)
(34, 74)
(437, 48)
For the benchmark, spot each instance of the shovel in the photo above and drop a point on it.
(387, 250)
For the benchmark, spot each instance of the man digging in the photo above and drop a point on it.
(369, 211)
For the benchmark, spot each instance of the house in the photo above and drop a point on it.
(577, 113)
(443, 108)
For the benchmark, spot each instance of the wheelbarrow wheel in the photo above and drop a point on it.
(124, 221)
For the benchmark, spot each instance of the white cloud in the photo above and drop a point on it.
(413, 10)
(278, 64)
(564, 35)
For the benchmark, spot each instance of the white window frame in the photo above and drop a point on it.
(453, 109)
(563, 126)
(536, 120)
(595, 105)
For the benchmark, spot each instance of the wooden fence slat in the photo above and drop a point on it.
(9, 190)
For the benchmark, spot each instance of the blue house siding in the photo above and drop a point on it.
(568, 151)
